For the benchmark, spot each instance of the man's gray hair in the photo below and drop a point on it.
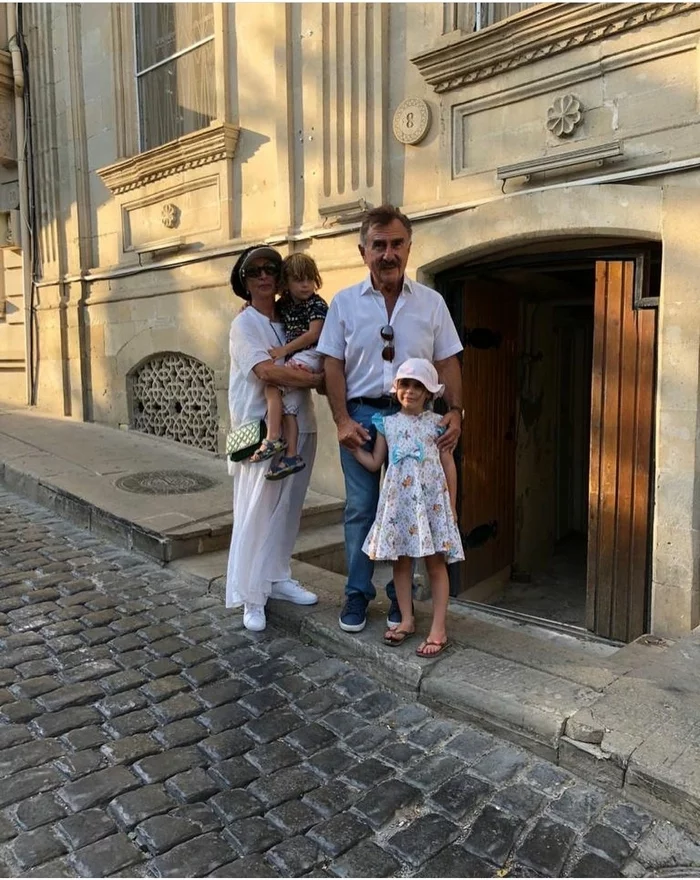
(383, 216)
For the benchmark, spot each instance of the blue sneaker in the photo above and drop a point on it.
(393, 617)
(353, 617)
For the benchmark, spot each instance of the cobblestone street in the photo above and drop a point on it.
(144, 733)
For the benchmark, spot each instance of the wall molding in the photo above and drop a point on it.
(235, 247)
(559, 81)
(352, 96)
(574, 76)
(560, 160)
(196, 223)
(212, 144)
(543, 31)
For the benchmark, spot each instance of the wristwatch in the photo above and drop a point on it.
(456, 409)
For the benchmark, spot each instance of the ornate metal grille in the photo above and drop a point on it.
(173, 395)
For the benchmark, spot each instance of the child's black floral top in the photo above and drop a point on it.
(297, 316)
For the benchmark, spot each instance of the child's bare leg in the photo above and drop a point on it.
(291, 434)
(403, 570)
(273, 396)
(440, 589)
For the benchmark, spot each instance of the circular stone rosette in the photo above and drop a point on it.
(564, 115)
(170, 215)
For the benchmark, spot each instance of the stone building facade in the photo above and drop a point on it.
(548, 157)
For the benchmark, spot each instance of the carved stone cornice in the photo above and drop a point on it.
(203, 147)
(542, 31)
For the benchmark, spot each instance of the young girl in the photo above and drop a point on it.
(303, 312)
(416, 514)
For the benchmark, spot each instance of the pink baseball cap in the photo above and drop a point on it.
(422, 371)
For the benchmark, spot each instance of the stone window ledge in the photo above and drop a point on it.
(540, 32)
(212, 144)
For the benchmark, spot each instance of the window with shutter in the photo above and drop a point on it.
(468, 17)
(175, 70)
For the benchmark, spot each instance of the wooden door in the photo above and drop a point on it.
(622, 406)
(574, 332)
(487, 504)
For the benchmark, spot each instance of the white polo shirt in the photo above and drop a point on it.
(423, 327)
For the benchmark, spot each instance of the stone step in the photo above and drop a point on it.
(522, 684)
(162, 542)
(323, 546)
(315, 544)
(321, 511)
(558, 695)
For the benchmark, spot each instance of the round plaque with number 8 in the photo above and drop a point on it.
(411, 121)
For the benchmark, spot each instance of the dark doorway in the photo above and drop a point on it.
(554, 499)
(553, 400)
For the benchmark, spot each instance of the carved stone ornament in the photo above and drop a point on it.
(212, 144)
(170, 215)
(411, 121)
(564, 115)
(542, 31)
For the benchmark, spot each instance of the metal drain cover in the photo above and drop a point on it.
(165, 483)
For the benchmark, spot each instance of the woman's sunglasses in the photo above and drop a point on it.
(257, 271)
(387, 334)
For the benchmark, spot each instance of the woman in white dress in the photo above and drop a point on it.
(266, 514)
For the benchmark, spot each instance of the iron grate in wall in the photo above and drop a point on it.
(173, 395)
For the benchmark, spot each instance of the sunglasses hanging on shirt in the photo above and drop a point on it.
(387, 334)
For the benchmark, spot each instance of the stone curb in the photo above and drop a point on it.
(163, 548)
(524, 705)
(189, 540)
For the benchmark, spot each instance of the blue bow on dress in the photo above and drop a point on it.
(417, 451)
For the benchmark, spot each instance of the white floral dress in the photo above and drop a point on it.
(414, 517)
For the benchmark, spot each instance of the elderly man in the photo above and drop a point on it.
(371, 328)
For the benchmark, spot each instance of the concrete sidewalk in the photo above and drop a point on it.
(74, 468)
(625, 717)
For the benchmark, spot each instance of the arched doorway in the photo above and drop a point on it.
(556, 459)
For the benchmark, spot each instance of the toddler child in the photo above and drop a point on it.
(303, 312)
(416, 514)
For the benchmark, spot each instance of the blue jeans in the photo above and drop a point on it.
(361, 498)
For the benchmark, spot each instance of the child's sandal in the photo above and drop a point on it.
(396, 637)
(267, 449)
(422, 651)
(286, 467)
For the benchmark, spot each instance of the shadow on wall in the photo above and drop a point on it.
(65, 312)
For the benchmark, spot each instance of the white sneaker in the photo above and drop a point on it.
(292, 591)
(254, 617)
